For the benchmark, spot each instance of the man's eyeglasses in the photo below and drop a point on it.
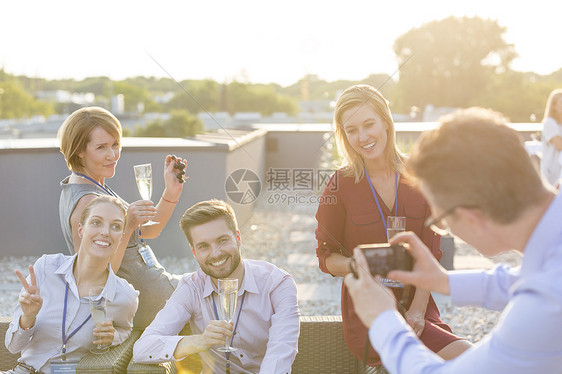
(438, 224)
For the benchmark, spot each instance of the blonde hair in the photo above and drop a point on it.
(550, 110)
(101, 199)
(207, 211)
(355, 96)
(74, 134)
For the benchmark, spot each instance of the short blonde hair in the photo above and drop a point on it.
(101, 199)
(550, 109)
(74, 134)
(358, 95)
(207, 211)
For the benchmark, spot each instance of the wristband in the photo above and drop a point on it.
(169, 201)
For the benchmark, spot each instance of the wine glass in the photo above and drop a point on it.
(228, 294)
(98, 308)
(394, 225)
(143, 176)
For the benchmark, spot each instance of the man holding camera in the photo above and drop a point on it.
(480, 182)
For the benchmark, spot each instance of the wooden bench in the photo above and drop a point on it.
(322, 350)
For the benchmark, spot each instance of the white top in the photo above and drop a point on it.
(527, 339)
(268, 328)
(43, 341)
(550, 163)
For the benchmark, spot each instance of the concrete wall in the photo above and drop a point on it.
(29, 196)
(30, 175)
(296, 146)
(31, 169)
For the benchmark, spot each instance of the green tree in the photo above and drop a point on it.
(196, 96)
(242, 97)
(520, 96)
(16, 102)
(180, 125)
(449, 62)
(133, 95)
(319, 89)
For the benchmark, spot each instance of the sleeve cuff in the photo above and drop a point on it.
(387, 323)
(163, 348)
(466, 287)
(169, 348)
(22, 331)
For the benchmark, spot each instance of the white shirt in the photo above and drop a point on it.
(550, 162)
(528, 337)
(268, 328)
(43, 341)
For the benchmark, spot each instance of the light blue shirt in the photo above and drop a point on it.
(528, 337)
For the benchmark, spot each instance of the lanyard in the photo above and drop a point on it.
(377, 200)
(65, 339)
(235, 326)
(109, 192)
(106, 189)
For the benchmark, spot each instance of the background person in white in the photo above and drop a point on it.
(551, 137)
(480, 182)
(268, 323)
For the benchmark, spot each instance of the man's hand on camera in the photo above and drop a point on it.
(369, 297)
(427, 274)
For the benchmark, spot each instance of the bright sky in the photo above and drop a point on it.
(258, 40)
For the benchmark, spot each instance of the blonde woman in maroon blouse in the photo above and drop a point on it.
(356, 203)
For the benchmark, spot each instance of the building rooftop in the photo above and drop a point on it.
(222, 139)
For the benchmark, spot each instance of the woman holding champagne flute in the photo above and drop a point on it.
(90, 140)
(357, 206)
(56, 296)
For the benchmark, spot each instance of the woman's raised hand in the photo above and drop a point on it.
(30, 300)
(174, 176)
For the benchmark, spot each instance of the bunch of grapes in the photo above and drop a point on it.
(180, 167)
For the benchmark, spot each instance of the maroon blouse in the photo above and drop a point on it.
(348, 216)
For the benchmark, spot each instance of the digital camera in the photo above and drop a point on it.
(383, 258)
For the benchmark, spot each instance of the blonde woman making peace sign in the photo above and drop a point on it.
(55, 296)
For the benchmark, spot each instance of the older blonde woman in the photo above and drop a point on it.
(90, 140)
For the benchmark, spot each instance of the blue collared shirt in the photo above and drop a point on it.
(268, 329)
(528, 337)
(43, 341)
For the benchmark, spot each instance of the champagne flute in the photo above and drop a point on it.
(98, 309)
(228, 294)
(143, 176)
(394, 225)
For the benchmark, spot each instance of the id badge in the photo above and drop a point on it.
(59, 366)
(147, 255)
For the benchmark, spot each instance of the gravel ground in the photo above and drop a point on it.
(273, 233)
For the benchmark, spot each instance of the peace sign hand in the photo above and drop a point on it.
(30, 301)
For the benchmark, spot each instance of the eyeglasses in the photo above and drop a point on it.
(438, 224)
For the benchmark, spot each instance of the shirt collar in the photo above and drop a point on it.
(546, 233)
(248, 283)
(66, 267)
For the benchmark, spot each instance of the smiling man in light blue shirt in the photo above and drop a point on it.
(480, 182)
